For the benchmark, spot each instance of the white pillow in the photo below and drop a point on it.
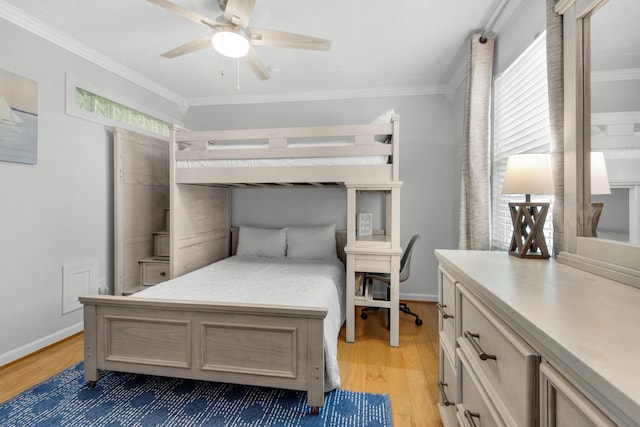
(312, 242)
(383, 118)
(265, 242)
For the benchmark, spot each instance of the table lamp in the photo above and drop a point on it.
(528, 174)
(599, 185)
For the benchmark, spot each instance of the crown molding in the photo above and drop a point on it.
(615, 75)
(378, 92)
(457, 78)
(501, 15)
(22, 19)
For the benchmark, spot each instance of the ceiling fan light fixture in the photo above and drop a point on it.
(230, 42)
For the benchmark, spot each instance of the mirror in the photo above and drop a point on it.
(616, 260)
(614, 95)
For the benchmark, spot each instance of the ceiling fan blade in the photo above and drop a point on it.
(253, 61)
(184, 12)
(192, 46)
(262, 37)
(241, 9)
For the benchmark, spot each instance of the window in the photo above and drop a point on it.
(521, 125)
(97, 104)
(89, 101)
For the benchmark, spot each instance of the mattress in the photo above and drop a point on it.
(298, 161)
(261, 280)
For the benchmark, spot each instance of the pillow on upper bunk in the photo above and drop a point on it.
(383, 118)
(312, 242)
(265, 242)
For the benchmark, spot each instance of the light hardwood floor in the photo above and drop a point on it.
(409, 373)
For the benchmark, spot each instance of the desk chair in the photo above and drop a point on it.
(405, 266)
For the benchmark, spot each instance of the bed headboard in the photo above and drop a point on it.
(341, 242)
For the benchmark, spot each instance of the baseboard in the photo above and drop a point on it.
(34, 346)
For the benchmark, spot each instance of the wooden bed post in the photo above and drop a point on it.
(315, 370)
(91, 372)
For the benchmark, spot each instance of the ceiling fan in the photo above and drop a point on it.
(233, 37)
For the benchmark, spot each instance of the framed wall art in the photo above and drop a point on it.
(18, 119)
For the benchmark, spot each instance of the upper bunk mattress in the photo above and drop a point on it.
(285, 161)
(276, 281)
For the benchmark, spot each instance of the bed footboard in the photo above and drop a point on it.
(262, 345)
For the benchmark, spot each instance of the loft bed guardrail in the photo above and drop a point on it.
(299, 155)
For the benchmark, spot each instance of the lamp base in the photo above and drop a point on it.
(528, 239)
(595, 217)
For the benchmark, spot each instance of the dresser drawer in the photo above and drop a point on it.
(447, 308)
(561, 404)
(475, 407)
(373, 263)
(506, 365)
(153, 270)
(448, 387)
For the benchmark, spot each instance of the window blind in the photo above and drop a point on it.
(520, 125)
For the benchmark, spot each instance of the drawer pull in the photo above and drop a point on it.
(441, 307)
(162, 274)
(443, 394)
(470, 417)
(481, 353)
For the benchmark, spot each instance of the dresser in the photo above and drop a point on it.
(527, 342)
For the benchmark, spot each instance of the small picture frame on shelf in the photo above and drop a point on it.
(365, 224)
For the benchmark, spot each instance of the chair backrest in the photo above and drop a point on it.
(405, 261)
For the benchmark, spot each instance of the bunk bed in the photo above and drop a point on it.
(178, 337)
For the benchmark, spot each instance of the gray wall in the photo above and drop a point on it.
(58, 211)
(428, 169)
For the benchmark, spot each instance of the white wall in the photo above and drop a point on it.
(60, 210)
(428, 170)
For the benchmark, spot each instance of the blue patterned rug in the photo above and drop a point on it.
(122, 399)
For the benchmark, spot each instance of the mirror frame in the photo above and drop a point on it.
(615, 260)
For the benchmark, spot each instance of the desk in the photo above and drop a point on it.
(371, 260)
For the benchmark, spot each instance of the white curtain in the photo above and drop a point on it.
(475, 192)
(555, 82)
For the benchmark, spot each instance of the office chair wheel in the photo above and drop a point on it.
(363, 316)
(418, 322)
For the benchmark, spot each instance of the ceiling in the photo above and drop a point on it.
(377, 46)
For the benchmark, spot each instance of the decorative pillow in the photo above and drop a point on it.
(265, 242)
(312, 242)
(383, 118)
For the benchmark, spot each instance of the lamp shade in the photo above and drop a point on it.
(528, 174)
(230, 42)
(599, 176)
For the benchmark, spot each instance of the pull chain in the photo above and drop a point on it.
(238, 74)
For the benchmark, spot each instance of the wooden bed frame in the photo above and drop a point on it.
(254, 344)
(259, 345)
(201, 197)
(274, 346)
